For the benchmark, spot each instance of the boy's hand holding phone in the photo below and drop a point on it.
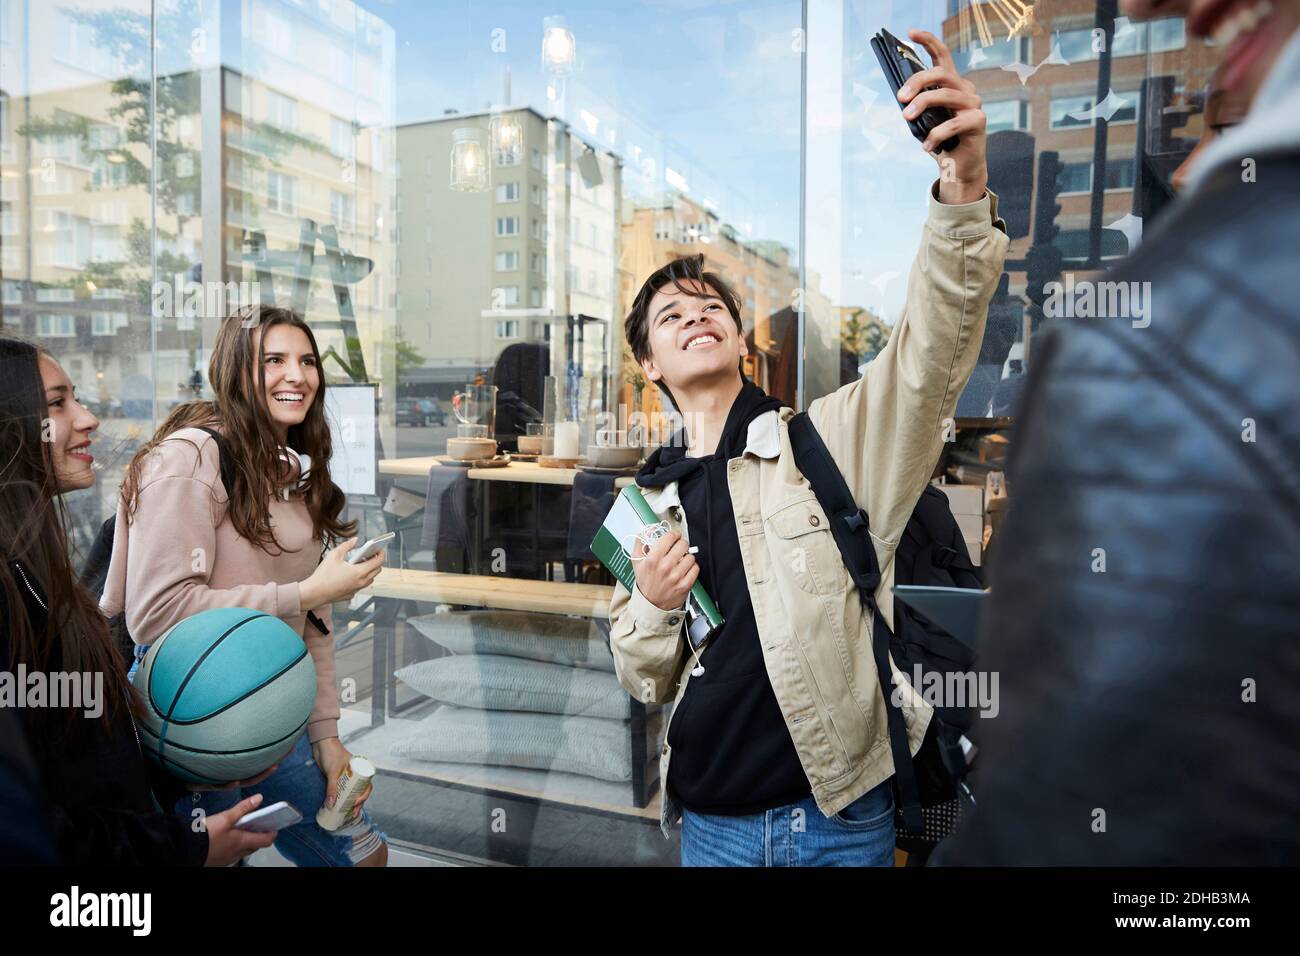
(964, 174)
(666, 573)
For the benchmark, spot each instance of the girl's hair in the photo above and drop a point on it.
(33, 521)
(238, 378)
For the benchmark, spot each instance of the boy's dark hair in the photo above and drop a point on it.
(637, 324)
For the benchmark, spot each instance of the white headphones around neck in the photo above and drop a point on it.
(290, 455)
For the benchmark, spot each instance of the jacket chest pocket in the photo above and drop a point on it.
(804, 548)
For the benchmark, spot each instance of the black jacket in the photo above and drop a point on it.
(732, 752)
(97, 787)
(1150, 711)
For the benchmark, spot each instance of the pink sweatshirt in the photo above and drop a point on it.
(180, 555)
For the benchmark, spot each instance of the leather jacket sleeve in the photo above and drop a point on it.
(1147, 582)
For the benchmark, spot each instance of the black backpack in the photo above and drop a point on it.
(94, 573)
(930, 790)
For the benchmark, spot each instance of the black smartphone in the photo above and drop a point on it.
(899, 61)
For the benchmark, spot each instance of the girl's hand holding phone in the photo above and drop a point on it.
(226, 844)
(336, 580)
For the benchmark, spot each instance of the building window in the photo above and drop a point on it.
(1076, 111)
(997, 54)
(279, 193)
(281, 111)
(507, 261)
(341, 140)
(1167, 35)
(8, 153)
(504, 296)
(539, 263)
(539, 230)
(343, 211)
(507, 192)
(56, 326)
(13, 293)
(535, 298)
(107, 323)
(507, 328)
(535, 194)
(507, 157)
(1006, 114)
(507, 225)
(1075, 178)
(1073, 243)
(1121, 173)
(537, 159)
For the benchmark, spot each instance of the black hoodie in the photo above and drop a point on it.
(732, 753)
(97, 785)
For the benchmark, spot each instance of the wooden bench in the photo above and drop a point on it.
(501, 593)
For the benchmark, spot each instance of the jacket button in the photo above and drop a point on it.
(677, 514)
(814, 520)
(674, 621)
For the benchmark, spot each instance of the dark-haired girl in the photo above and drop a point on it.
(93, 776)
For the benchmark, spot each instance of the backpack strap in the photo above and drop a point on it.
(224, 461)
(850, 526)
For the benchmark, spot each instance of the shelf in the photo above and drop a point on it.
(488, 591)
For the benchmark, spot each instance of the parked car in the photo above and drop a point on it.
(420, 411)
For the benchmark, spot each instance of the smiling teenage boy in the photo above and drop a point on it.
(777, 752)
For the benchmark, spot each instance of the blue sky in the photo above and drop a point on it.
(711, 89)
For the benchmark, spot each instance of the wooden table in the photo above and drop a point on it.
(529, 472)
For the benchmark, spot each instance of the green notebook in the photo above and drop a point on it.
(630, 514)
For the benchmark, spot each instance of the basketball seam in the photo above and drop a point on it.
(162, 737)
(225, 707)
(229, 753)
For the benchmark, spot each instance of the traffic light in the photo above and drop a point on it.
(1043, 261)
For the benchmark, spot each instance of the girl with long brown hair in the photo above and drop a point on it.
(186, 542)
(95, 781)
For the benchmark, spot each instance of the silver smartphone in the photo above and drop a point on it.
(370, 548)
(269, 819)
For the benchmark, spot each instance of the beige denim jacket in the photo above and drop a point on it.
(885, 432)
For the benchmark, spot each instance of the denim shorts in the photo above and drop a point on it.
(797, 834)
(299, 781)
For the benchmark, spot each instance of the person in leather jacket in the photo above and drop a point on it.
(1146, 594)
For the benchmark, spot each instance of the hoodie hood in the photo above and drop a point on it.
(1271, 126)
(669, 462)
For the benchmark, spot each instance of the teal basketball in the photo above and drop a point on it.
(227, 692)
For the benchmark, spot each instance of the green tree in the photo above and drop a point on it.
(863, 335)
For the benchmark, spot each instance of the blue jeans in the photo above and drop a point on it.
(299, 781)
(862, 834)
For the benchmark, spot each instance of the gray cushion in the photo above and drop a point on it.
(584, 745)
(538, 637)
(492, 682)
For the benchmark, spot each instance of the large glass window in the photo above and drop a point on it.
(462, 199)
